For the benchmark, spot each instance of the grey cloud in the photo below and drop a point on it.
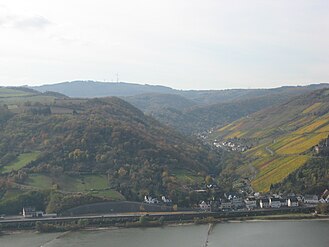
(6, 20)
(34, 22)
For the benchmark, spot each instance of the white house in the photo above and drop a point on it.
(204, 206)
(226, 205)
(311, 199)
(237, 202)
(31, 213)
(250, 203)
(264, 203)
(326, 199)
(292, 202)
(150, 200)
(275, 202)
(166, 200)
(325, 196)
(321, 200)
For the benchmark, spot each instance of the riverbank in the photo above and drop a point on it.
(195, 221)
(293, 217)
(151, 220)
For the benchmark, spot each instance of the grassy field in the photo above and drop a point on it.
(40, 181)
(188, 177)
(114, 195)
(11, 193)
(91, 184)
(22, 160)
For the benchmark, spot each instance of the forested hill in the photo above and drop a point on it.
(108, 137)
(282, 140)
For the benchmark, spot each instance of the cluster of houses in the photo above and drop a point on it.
(230, 145)
(233, 201)
(151, 200)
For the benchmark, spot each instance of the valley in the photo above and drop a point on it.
(178, 144)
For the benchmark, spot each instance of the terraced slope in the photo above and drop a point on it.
(283, 137)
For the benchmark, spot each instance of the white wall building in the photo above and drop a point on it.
(264, 203)
(204, 206)
(311, 199)
(275, 202)
(293, 202)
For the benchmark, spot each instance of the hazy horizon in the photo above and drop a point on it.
(181, 44)
(155, 84)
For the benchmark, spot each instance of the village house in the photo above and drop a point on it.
(264, 203)
(325, 193)
(293, 202)
(317, 149)
(230, 195)
(30, 212)
(226, 205)
(166, 200)
(300, 199)
(257, 195)
(326, 199)
(150, 200)
(325, 196)
(251, 203)
(237, 202)
(284, 202)
(311, 199)
(204, 206)
(275, 202)
(321, 200)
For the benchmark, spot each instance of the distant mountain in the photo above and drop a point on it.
(283, 139)
(189, 111)
(92, 89)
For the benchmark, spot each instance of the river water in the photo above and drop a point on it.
(247, 234)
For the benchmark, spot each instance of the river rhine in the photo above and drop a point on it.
(247, 234)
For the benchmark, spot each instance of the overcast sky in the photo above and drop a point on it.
(185, 44)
